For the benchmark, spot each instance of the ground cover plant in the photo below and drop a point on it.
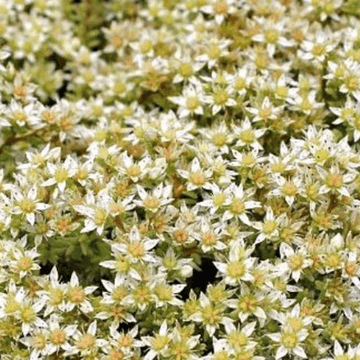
(179, 179)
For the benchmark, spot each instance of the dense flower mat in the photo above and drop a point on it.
(179, 179)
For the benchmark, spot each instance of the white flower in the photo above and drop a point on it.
(59, 335)
(210, 314)
(219, 198)
(292, 319)
(209, 236)
(197, 177)
(126, 341)
(295, 263)
(87, 342)
(158, 344)
(137, 249)
(60, 173)
(23, 115)
(220, 9)
(96, 211)
(215, 49)
(335, 181)
(241, 304)
(174, 130)
(290, 343)
(186, 67)
(77, 295)
(351, 269)
(267, 111)
(159, 197)
(27, 205)
(318, 47)
(165, 293)
(170, 263)
(27, 313)
(134, 170)
(287, 188)
(54, 294)
(237, 267)
(239, 338)
(246, 135)
(239, 203)
(23, 262)
(37, 342)
(220, 98)
(190, 102)
(272, 35)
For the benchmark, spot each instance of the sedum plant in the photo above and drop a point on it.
(179, 179)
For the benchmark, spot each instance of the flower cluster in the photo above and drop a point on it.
(145, 145)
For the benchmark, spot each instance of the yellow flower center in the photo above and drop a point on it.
(272, 36)
(61, 175)
(116, 355)
(198, 178)
(142, 295)
(100, 216)
(76, 294)
(265, 113)
(219, 199)
(237, 339)
(351, 268)
(247, 304)
(159, 342)
(321, 155)
(334, 181)
(119, 293)
(219, 139)
(56, 296)
(86, 341)
(27, 205)
(211, 315)
(39, 342)
(237, 207)
(179, 350)
(209, 239)
(295, 323)
(58, 337)
(333, 260)
(289, 189)
(214, 52)
(240, 84)
(318, 50)
(180, 236)
(236, 270)
(281, 91)
(27, 314)
(192, 103)
(289, 340)
(134, 171)
(352, 82)
(296, 262)
(146, 46)
(220, 97)
(11, 305)
(269, 226)
(186, 70)
(123, 264)
(119, 88)
(151, 203)
(163, 292)
(25, 263)
(136, 250)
